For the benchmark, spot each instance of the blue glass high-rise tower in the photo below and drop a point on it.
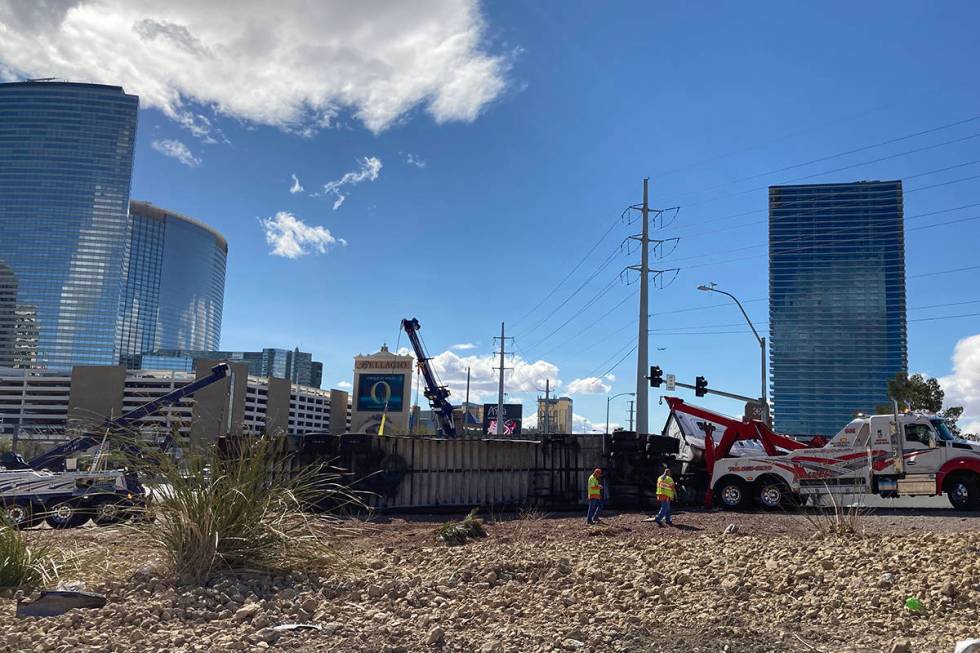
(86, 277)
(836, 301)
(175, 283)
(66, 162)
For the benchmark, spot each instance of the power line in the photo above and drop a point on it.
(847, 153)
(598, 271)
(938, 272)
(573, 270)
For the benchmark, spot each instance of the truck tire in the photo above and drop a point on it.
(732, 493)
(962, 492)
(773, 495)
(21, 514)
(111, 511)
(67, 514)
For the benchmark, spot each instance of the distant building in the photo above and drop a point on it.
(51, 404)
(175, 284)
(294, 365)
(426, 421)
(86, 276)
(555, 415)
(836, 301)
(66, 164)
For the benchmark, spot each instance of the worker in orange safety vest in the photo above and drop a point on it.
(666, 492)
(595, 497)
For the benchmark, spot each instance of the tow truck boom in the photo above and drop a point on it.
(435, 393)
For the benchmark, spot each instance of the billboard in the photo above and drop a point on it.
(513, 413)
(376, 391)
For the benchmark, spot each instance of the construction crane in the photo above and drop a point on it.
(438, 395)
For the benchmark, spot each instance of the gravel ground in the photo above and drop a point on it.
(548, 584)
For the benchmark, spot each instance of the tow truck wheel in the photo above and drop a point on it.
(21, 514)
(67, 514)
(962, 492)
(773, 495)
(732, 493)
(112, 511)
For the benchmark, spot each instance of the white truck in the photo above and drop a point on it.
(921, 457)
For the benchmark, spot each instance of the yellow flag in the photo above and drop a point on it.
(381, 429)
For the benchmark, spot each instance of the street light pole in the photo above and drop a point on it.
(762, 346)
(608, 400)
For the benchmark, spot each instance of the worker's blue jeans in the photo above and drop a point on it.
(664, 513)
(593, 514)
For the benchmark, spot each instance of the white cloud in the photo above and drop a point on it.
(590, 385)
(463, 346)
(176, 150)
(343, 384)
(610, 377)
(369, 171)
(296, 187)
(415, 160)
(290, 237)
(962, 387)
(291, 64)
(582, 424)
(526, 376)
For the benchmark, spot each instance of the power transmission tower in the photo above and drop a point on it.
(631, 415)
(500, 393)
(643, 331)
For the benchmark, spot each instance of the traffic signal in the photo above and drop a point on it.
(656, 376)
(700, 386)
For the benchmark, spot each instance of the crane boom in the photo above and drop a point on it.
(436, 394)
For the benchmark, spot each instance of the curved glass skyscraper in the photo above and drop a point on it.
(175, 283)
(836, 301)
(82, 282)
(66, 162)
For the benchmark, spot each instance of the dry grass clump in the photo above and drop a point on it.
(238, 508)
(23, 564)
(456, 533)
(833, 516)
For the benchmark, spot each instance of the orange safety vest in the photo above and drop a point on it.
(595, 490)
(665, 487)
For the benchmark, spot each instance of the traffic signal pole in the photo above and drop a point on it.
(720, 393)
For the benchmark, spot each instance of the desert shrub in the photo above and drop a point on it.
(23, 564)
(241, 508)
(831, 515)
(456, 533)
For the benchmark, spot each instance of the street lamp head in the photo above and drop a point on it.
(710, 286)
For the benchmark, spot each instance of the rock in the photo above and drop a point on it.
(332, 627)
(310, 605)
(900, 646)
(374, 592)
(731, 529)
(436, 636)
(247, 611)
(267, 635)
(570, 644)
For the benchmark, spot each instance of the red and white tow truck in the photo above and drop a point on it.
(921, 457)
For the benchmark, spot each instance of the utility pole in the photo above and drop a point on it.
(466, 405)
(643, 335)
(500, 392)
(631, 415)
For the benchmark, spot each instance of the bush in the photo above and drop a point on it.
(240, 507)
(456, 533)
(833, 516)
(22, 564)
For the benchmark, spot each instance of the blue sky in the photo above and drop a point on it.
(537, 135)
